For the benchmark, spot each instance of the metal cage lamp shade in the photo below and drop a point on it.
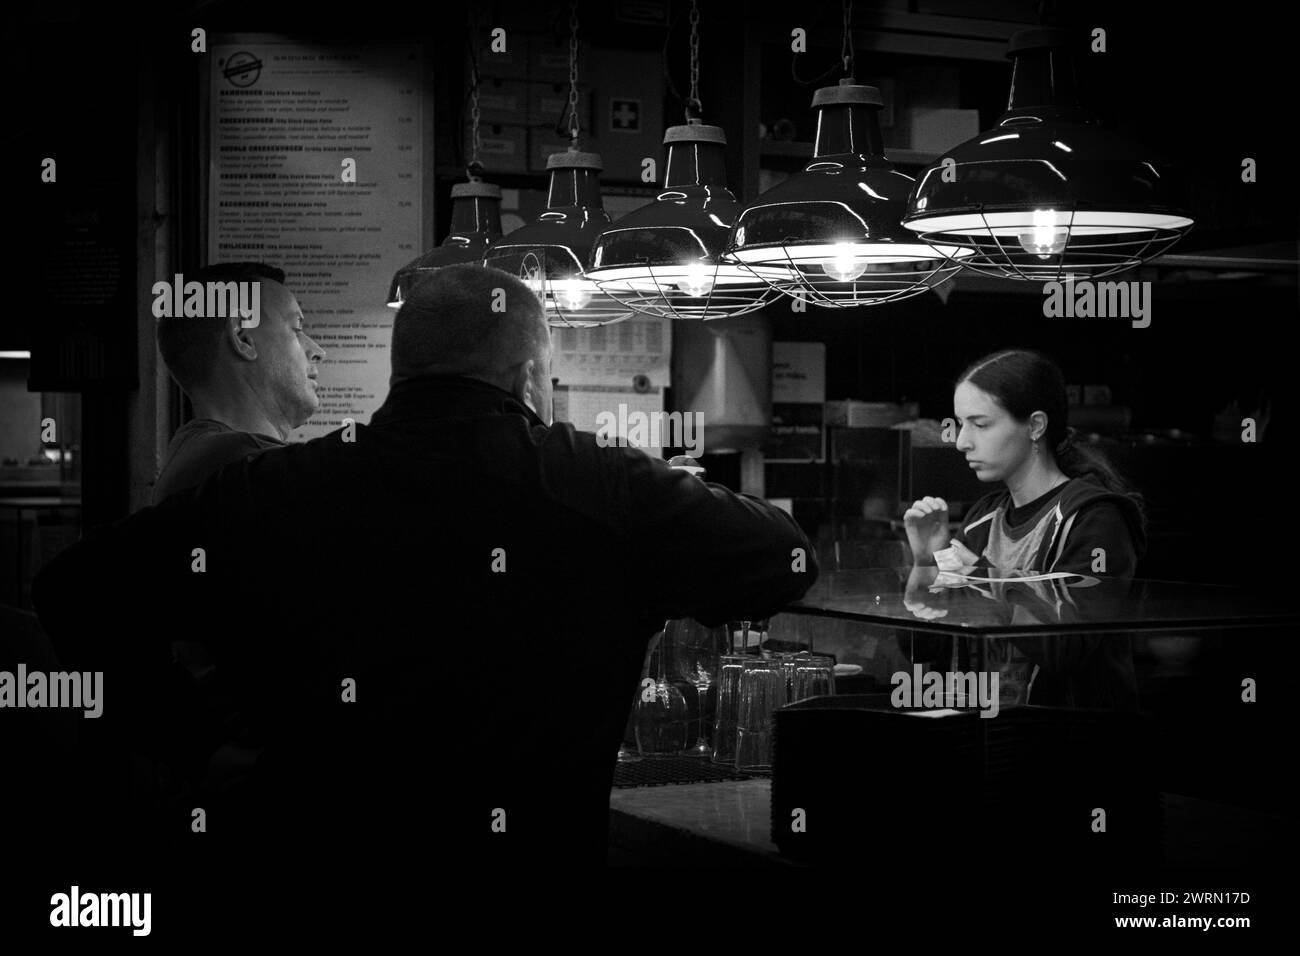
(550, 253)
(664, 259)
(836, 225)
(475, 225)
(1047, 194)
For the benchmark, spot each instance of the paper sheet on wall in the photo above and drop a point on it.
(614, 354)
(798, 432)
(284, 117)
(583, 405)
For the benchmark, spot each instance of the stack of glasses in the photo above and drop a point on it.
(752, 683)
(750, 689)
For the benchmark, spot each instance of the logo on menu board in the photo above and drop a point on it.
(241, 69)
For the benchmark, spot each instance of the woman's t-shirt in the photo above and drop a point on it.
(1077, 526)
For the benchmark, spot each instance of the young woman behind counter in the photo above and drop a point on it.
(1062, 506)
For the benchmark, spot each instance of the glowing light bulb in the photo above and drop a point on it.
(698, 281)
(1044, 238)
(844, 265)
(572, 294)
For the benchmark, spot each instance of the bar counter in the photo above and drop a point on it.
(1171, 657)
(728, 823)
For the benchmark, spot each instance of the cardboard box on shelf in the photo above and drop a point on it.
(503, 101)
(502, 148)
(548, 59)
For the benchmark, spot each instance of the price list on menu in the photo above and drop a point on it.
(315, 167)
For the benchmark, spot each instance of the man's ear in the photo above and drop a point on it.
(521, 380)
(241, 339)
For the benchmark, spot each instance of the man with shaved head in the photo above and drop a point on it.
(476, 586)
(250, 387)
(444, 329)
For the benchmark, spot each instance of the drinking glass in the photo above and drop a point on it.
(626, 753)
(661, 712)
(762, 691)
(807, 675)
(696, 650)
(728, 707)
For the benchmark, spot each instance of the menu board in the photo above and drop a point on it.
(284, 119)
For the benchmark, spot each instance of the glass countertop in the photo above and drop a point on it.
(970, 602)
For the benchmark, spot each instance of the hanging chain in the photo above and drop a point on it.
(846, 47)
(573, 72)
(474, 164)
(473, 168)
(694, 99)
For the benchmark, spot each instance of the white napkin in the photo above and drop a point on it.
(955, 556)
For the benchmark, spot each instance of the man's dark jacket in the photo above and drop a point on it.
(489, 583)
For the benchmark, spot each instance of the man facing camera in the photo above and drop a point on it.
(438, 619)
(250, 386)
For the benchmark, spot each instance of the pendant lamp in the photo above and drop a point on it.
(836, 225)
(664, 259)
(475, 225)
(475, 218)
(550, 253)
(1048, 194)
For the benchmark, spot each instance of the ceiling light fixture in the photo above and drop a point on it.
(1048, 194)
(664, 259)
(835, 226)
(475, 217)
(551, 252)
